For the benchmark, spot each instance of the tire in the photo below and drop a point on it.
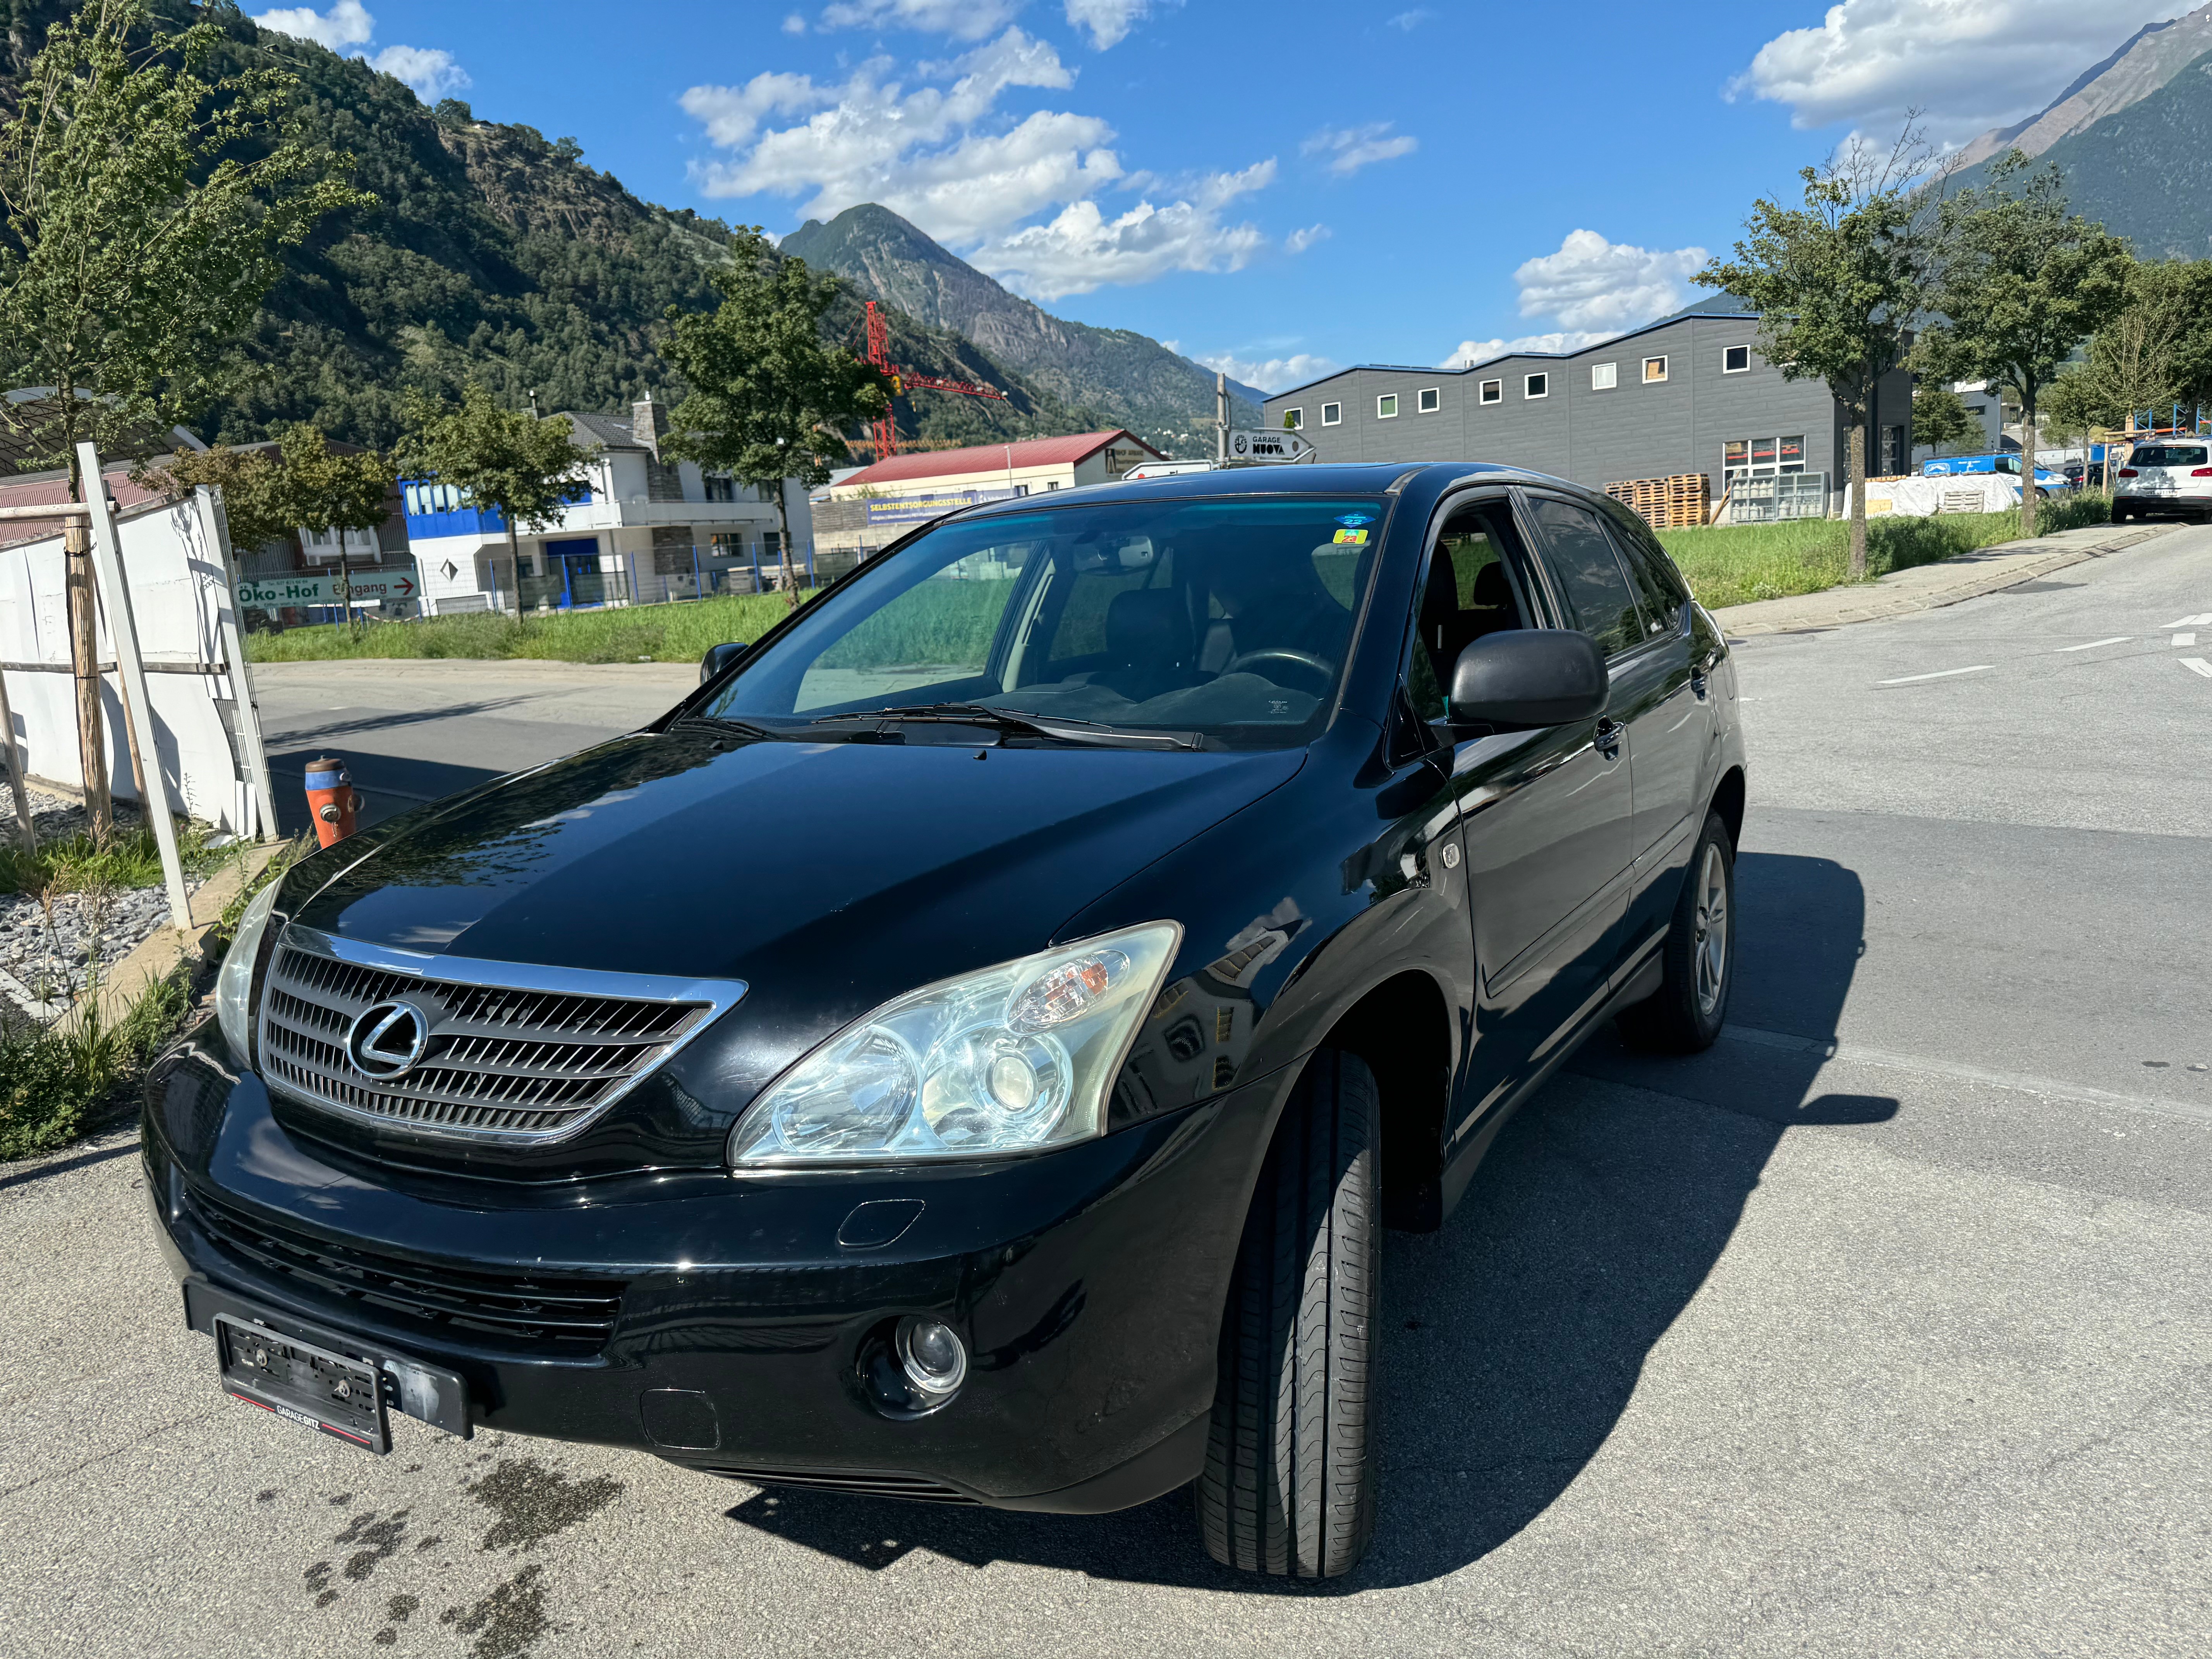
(1698, 959)
(1289, 1486)
(2122, 512)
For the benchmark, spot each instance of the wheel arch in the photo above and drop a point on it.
(1728, 802)
(1402, 1029)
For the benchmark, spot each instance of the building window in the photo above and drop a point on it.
(1493, 391)
(1431, 400)
(1735, 360)
(1893, 452)
(1760, 458)
(1654, 370)
(1604, 376)
(1386, 406)
(1294, 420)
(718, 489)
(1331, 414)
(1536, 385)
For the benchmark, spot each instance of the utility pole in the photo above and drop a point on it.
(1220, 418)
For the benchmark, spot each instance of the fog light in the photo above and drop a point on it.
(933, 1355)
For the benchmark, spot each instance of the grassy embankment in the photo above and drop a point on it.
(1733, 564)
(1725, 565)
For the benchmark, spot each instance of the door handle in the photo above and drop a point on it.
(1607, 739)
(1700, 684)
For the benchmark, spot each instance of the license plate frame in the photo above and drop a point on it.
(304, 1382)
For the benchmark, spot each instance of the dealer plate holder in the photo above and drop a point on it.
(331, 1393)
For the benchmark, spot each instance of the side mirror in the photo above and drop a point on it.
(1529, 677)
(718, 658)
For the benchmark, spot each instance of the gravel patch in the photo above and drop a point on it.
(49, 955)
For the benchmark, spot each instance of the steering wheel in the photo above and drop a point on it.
(1322, 669)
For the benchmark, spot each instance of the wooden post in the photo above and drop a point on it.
(107, 551)
(25, 828)
(84, 659)
(247, 715)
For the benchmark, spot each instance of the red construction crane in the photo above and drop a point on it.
(905, 380)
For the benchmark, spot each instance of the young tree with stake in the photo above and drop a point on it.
(1839, 282)
(143, 209)
(523, 467)
(769, 400)
(2024, 282)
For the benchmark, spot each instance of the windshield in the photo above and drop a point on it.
(1230, 619)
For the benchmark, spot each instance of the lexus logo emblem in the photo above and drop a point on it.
(389, 1039)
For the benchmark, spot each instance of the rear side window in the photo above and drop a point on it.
(1588, 573)
(1658, 583)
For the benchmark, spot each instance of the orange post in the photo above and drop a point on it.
(331, 800)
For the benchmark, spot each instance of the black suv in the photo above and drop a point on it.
(1169, 884)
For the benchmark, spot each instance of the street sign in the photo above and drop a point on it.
(1267, 446)
(371, 586)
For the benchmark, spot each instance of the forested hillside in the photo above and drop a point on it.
(499, 256)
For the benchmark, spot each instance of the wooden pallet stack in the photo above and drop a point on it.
(1680, 502)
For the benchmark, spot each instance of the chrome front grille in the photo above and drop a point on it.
(515, 1052)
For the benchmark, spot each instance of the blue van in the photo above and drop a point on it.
(1951, 465)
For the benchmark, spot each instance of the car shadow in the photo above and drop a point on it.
(1512, 1339)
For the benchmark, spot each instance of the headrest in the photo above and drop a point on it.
(1148, 628)
(1490, 586)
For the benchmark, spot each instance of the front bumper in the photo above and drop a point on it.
(1088, 1282)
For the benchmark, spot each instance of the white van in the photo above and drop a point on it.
(2169, 476)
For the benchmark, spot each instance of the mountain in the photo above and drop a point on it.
(2133, 139)
(497, 256)
(1130, 377)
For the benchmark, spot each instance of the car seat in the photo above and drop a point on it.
(1148, 644)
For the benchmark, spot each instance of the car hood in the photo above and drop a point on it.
(853, 869)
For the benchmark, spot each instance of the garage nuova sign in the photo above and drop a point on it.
(368, 587)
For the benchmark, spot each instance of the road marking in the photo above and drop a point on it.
(2192, 622)
(2117, 639)
(2197, 666)
(1940, 674)
(2184, 639)
(2050, 1088)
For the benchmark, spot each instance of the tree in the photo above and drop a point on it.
(2024, 284)
(521, 467)
(1940, 417)
(769, 400)
(1839, 282)
(141, 210)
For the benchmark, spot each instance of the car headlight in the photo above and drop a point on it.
(234, 981)
(1011, 1059)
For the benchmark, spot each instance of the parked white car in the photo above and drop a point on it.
(2172, 476)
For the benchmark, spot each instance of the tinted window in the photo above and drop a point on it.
(1588, 573)
(1467, 593)
(1658, 583)
(2168, 455)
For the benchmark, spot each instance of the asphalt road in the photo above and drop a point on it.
(1885, 1328)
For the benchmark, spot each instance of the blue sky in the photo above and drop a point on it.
(1276, 189)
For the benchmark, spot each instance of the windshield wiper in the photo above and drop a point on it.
(725, 723)
(1062, 729)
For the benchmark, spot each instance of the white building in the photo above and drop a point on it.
(637, 530)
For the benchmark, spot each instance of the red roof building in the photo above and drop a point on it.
(1039, 463)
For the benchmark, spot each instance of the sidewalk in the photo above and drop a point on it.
(1926, 587)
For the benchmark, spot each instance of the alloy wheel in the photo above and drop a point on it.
(1712, 937)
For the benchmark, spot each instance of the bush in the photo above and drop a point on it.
(664, 633)
(55, 1081)
(121, 859)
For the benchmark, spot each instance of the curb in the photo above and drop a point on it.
(1880, 607)
(160, 952)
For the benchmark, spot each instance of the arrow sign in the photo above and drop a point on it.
(1271, 446)
(367, 587)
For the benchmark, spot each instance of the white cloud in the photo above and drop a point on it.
(1972, 63)
(429, 69)
(1472, 352)
(1350, 148)
(918, 153)
(963, 20)
(1269, 374)
(1108, 23)
(795, 24)
(348, 23)
(1593, 284)
(1410, 20)
(1081, 248)
(1299, 241)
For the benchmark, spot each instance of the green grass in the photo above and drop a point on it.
(1734, 564)
(124, 858)
(664, 633)
(56, 1081)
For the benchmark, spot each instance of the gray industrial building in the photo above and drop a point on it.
(1689, 394)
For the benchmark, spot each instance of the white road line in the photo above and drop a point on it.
(2117, 639)
(1940, 674)
(2197, 666)
(2192, 622)
(2183, 638)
